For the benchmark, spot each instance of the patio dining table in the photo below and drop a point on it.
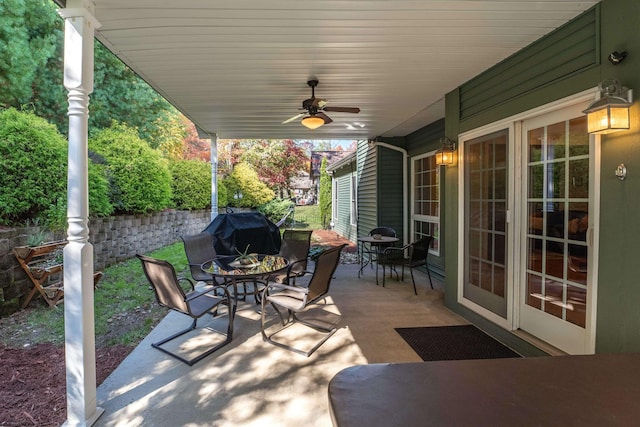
(232, 272)
(373, 242)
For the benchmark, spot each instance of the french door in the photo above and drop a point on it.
(557, 232)
(529, 204)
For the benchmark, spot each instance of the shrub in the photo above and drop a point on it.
(276, 209)
(33, 164)
(191, 184)
(244, 188)
(33, 159)
(139, 177)
(222, 194)
(33, 183)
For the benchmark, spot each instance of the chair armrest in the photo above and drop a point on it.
(193, 295)
(394, 248)
(281, 287)
(193, 288)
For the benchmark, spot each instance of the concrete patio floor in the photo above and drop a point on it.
(253, 383)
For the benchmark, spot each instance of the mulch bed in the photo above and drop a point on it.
(33, 384)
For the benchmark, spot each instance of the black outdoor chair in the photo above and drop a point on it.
(195, 304)
(418, 254)
(295, 248)
(199, 249)
(297, 299)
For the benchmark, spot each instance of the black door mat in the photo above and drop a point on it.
(454, 343)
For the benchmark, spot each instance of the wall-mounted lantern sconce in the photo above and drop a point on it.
(445, 155)
(610, 113)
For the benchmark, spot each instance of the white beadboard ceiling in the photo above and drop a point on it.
(238, 68)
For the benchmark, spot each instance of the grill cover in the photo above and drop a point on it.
(237, 230)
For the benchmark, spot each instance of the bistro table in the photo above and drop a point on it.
(377, 242)
(228, 269)
(594, 390)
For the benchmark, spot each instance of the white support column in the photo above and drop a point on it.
(80, 358)
(214, 176)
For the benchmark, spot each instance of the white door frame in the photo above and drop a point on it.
(514, 216)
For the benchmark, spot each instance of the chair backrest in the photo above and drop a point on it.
(384, 231)
(163, 280)
(199, 249)
(326, 265)
(304, 235)
(295, 248)
(420, 250)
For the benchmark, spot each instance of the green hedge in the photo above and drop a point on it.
(139, 176)
(33, 182)
(191, 184)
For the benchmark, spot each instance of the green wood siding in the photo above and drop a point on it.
(367, 188)
(342, 221)
(425, 139)
(390, 191)
(564, 52)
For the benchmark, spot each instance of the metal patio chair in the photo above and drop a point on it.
(195, 304)
(296, 300)
(418, 254)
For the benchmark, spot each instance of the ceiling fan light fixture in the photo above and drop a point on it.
(312, 122)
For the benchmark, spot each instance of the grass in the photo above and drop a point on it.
(308, 217)
(125, 307)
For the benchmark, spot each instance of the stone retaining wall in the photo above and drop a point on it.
(114, 239)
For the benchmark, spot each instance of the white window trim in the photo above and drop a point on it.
(353, 194)
(425, 218)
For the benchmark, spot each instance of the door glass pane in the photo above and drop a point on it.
(485, 208)
(557, 219)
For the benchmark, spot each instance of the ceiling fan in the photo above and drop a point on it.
(314, 116)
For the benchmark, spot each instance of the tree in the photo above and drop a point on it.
(30, 32)
(121, 95)
(324, 198)
(171, 132)
(194, 147)
(277, 162)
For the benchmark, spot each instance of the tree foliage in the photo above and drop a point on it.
(121, 95)
(139, 176)
(245, 189)
(193, 146)
(277, 162)
(324, 198)
(29, 34)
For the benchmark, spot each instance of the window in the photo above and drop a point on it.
(426, 199)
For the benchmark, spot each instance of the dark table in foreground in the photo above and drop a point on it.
(597, 390)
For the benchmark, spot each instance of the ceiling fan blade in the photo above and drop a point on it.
(324, 117)
(294, 118)
(342, 109)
